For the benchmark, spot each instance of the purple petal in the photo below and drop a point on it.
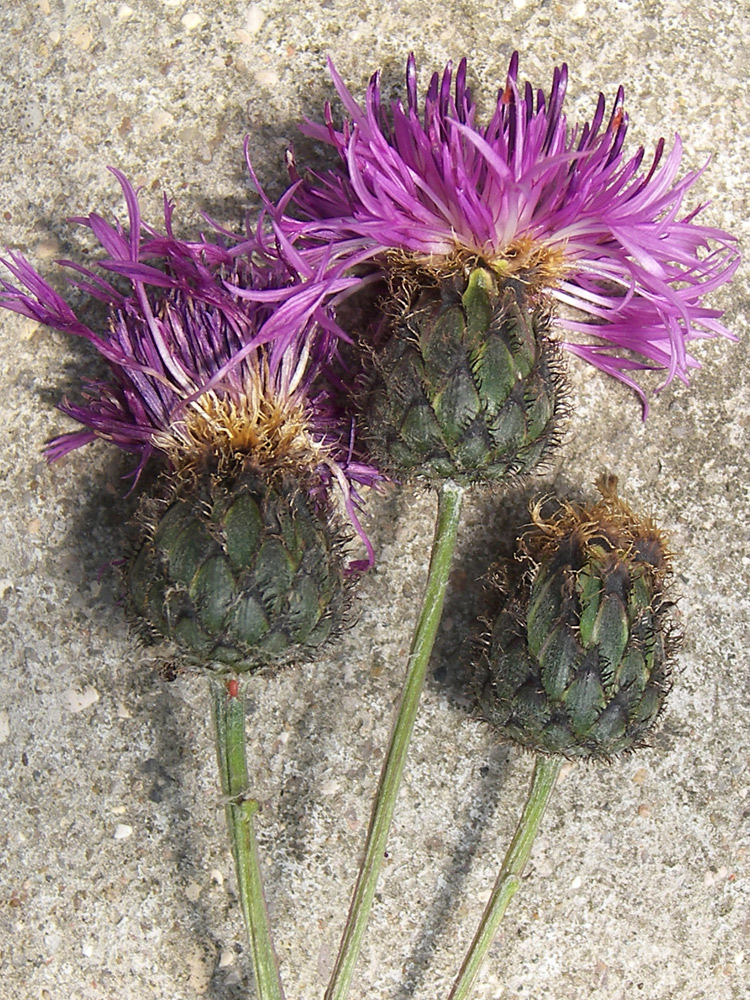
(634, 260)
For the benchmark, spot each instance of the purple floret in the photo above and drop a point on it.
(196, 318)
(434, 182)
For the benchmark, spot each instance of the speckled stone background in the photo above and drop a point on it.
(115, 875)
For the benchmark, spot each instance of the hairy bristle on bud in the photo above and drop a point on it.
(274, 430)
(539, 266)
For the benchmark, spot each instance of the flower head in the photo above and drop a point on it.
(580, 655)
(215, 352)
(559, 207)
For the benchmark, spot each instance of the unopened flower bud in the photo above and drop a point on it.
(579, 657)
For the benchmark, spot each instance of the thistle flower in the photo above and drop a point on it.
(225, 367)
(579, 657)
(526, 195)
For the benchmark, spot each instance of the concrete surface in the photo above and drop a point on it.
(115, 875)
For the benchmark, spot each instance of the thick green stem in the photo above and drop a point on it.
(446, 528)
(229, 724)
(509, 879)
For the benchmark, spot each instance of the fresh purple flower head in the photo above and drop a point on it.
(214, 353)
(559, 207)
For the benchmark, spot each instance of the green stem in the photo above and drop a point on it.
(229, 725)
(446, 528)
(546, 771)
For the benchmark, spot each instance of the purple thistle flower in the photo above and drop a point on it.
(558, 206)
(214, 351)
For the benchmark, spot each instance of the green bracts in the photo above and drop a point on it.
(240, 572)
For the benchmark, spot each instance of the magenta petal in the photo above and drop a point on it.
(635, 260)
(203, 317)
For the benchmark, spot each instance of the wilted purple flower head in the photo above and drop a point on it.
(215, 353)
(559, 207)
